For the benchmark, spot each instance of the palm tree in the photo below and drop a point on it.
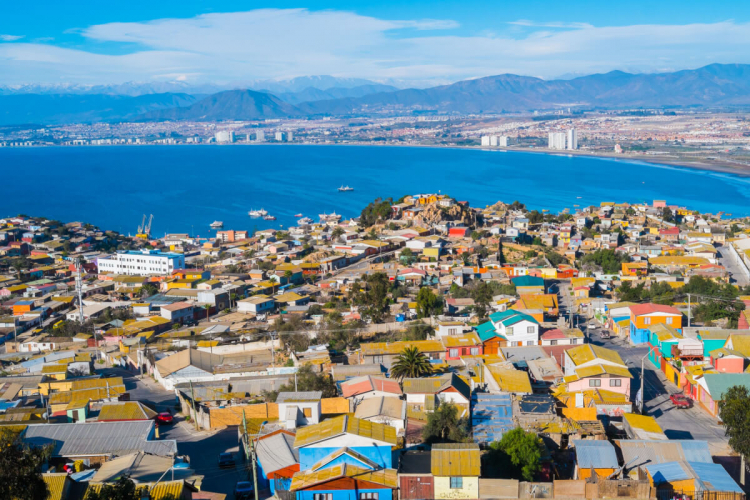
(410, 363)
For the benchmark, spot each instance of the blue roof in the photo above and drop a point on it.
(491, 417)
(667, 472)
(714, 477)
(696, 451)
(486, 331)
(528, 281)
(596, 454)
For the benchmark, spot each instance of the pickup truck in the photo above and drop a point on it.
(681, 401)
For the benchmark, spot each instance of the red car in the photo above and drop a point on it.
(164, 418)
(681, 401)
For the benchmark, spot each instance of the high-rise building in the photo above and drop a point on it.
(260, 136)
(135, 262)
(224, 136)
(289, 136)
(572, 139)
(502, 141)
(485, 140)
(493, 140)
(279, 136)
(556, 140)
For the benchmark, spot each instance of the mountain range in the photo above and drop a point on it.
(716, 85)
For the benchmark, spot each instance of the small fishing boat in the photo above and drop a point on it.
(298, 215)
(269, 217)
(305, 221)
(346, 188)
(217, 224)
(257, 213)
(332, 217)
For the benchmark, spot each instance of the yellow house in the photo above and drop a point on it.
(455, 468)
(57, 372)
(182, 283)
(433, 252)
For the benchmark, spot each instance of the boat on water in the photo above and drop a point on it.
(332, 217)
(257, 213)
(346, 188)
(579, 197)
(298, 215)
(269, 217)
(217, 224)
(305, 220)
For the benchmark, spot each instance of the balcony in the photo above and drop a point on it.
(687, 352)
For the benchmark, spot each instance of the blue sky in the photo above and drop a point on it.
(405, 42)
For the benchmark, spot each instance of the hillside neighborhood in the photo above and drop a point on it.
(426, 349)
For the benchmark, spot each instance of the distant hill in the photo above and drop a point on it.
(54, 109)
(315, 94)
(229, 105)
(714, 85)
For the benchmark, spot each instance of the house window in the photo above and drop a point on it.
(368, 496)
(323, 496)
(646, 321)
(307, 412)
(573, 341)
(615, 382)
(509, 330)
(377, 359)
(530, 329)
(457, 483)
(553, 342)
(454, 353)
(595, 382)
(669, 321)
(474, 351)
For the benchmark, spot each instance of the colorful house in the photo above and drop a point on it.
(594, 367)
(528, 284)
(344, 458)
(643, 316)
(597, 456)
(278, 460)
(512, 328)
(457, 346)
(456, 468)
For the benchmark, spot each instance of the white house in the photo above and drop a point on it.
(299, 408)
(516, 327)
(257, 304)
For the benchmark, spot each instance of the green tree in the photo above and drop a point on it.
(147, 290)
(410, 363)
(666, 215)
(608, 260)
(444, 425)
(734, 411)
(482, 296)
(374, 299)
(337, 232)
(428, 303)
(307, 380)
(407, 257)
(418, 331)
(21, 468)
(378, 210)
(517, 454)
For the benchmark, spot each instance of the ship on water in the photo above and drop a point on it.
(258, 213)
(298, 215)
(269, 217)
(332, 217)
(305, 221)
(345, 188)
(217, 224)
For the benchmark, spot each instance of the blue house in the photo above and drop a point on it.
(278, 460)
(345, 458)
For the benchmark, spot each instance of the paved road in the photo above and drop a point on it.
(202, 447)
(693, 423)
(729, 260)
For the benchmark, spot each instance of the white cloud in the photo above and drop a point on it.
(10, 38)
(284, 43)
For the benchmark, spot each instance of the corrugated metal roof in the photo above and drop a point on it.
(299, 397)
(55, 485)
(99, 438)
(597, 454)
(277, 451)
(491, 417)
(638, 452)
(385, 477)
(337, 426)
(344, 451)
(713, 477)
(668, 472)
(125, 410)
(509, 379)
(455, 459)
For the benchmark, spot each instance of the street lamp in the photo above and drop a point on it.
(643, 377)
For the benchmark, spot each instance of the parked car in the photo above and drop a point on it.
(604, 334)
(226, 460)
(165, 418)
(181, 462)
(681, 401)
(243, 490)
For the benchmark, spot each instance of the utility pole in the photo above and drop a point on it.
(689, 310)
(251, 452)
(195, 413)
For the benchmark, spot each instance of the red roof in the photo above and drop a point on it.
(553, 334)
(412, 270)
(361, 385)
(641, 309)
(671, 230)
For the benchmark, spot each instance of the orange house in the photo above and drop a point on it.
(634, 268)
(22, 307)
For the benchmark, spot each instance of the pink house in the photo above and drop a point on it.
(602, 377)
(727, 361)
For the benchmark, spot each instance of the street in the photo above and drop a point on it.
(202, 447)
(728, 259)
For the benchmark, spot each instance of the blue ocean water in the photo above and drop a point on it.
(188, 187)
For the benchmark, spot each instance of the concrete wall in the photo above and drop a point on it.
(498, 488)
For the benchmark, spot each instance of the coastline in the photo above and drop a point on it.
(624, 157)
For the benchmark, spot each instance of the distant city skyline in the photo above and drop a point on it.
(418, 44)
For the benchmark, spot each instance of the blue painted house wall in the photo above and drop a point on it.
(381, 455)
(711, 345)
(638, 336)
(383, 494)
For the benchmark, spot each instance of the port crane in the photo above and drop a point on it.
(144, 230)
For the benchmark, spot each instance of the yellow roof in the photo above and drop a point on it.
(538, 301)
(332, 406)
(596, 370)
(55, 485)
(455, 459)
(126, 410)
(308, 478)
(207, 343)
(55, 368)
(643, 422)
(465, 340)
(380, 348)
(344, 424)
(677, 260)
(96, 394)
(741, 344)
(509, 379)
(589, 352)
(77, 385)
(165, 490)
(665, 332)
(288, 297)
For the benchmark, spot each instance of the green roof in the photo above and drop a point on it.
(511, 317)
(719, 383)
(528, 281)
(486, 331)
